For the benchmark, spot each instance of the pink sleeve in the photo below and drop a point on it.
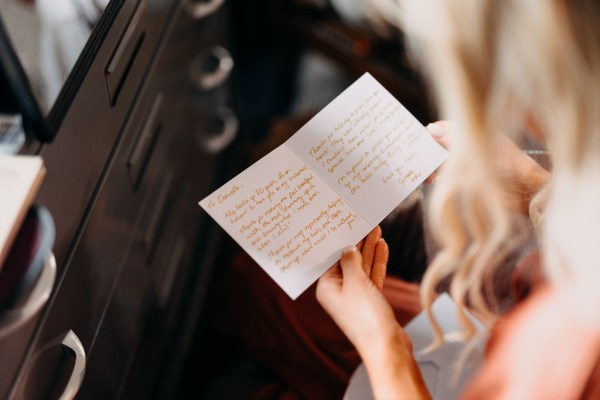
(540, 351)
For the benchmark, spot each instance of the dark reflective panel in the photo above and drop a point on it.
(48, 36)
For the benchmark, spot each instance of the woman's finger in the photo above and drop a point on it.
(351, 263)
(359, 245)
(380, 263)
(334, 273)
(439, 131)
(329, 284)
(368, 249)
(431, 178)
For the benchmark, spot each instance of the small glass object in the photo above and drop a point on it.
(12, 135)
(542, 157)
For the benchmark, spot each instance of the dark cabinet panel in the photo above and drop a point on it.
(13, 347)
(113, 243)
(77, 159)
(140, 145)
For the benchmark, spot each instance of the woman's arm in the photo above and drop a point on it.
(351, 294)
(393, 371)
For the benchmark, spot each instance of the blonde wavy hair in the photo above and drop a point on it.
(503, 66)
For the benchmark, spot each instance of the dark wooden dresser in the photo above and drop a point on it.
(144, 140)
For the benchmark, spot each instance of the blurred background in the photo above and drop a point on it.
(292, 58)
(140, 108)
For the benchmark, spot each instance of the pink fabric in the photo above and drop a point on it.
(540, 351)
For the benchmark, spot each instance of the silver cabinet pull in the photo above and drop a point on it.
(214, 143)
(199, 9)
(157, 217)
(27, 379)
(119, 65)
(206, 80)
(145, 143)
(72, 342)
(14, 318)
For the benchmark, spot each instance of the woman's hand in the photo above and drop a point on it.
(516, 166)
(350, 292)
(441, 133)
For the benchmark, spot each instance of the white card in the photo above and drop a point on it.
(324, 189)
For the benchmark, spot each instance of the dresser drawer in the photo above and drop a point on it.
(17, 324)
(77, 159)
(151, 279)
(120, 237)
(135, 48)
(136, 308)
(138, 148)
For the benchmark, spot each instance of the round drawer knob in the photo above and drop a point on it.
(219, 132)
(202, 9)
(211, 68)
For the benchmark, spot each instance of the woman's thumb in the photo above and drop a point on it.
(351, 261)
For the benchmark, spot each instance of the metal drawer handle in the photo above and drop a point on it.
(145, 143)
(119, 65)
(219, 62)
(72, 342)
(214, 143)
(153, 227)
(38, 297)
(199, 10)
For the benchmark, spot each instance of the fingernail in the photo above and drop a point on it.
(436, 130)
(382, 240)
(349, 249)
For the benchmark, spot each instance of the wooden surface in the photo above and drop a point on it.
(20, 179)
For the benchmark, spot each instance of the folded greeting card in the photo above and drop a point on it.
(334, 180)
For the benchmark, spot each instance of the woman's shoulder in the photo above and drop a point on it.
(541, 349)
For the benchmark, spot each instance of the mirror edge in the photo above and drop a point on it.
(20, 93)
(82, 65)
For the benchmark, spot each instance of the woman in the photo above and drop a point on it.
(507, 66)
